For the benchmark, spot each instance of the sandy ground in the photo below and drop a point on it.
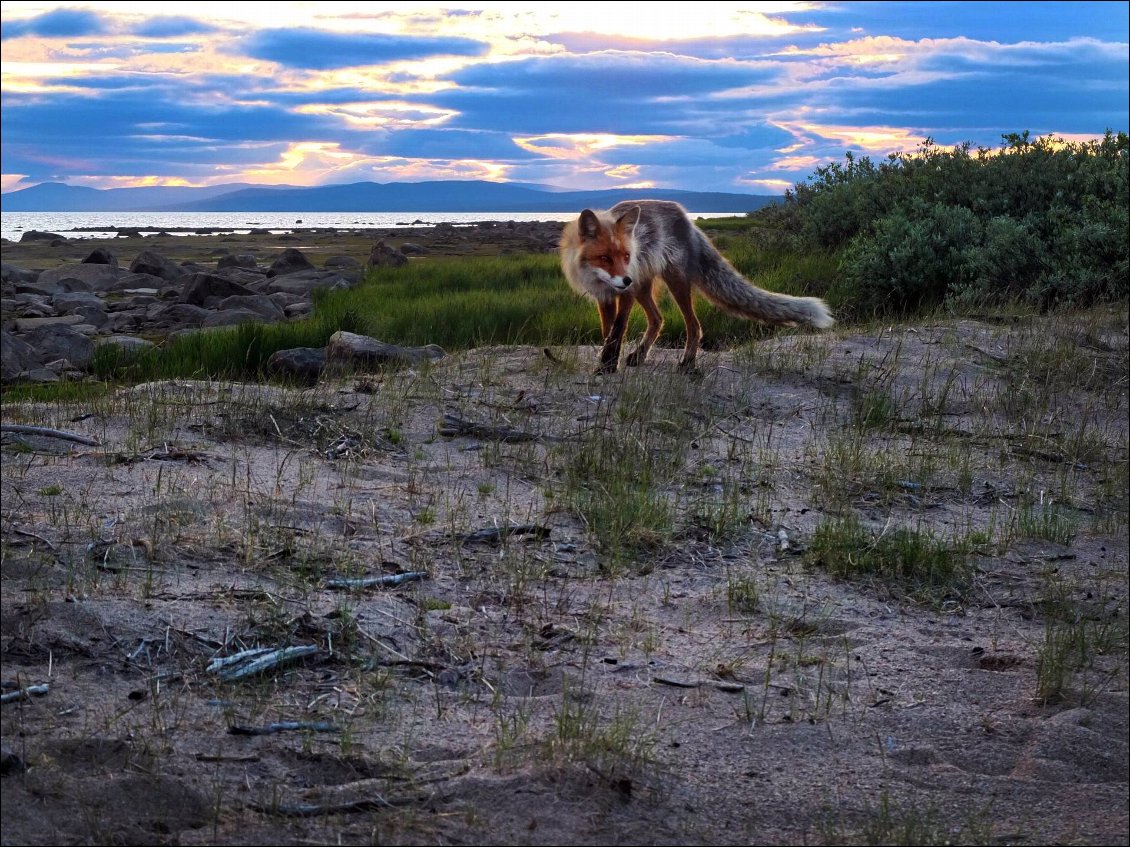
(711, 683)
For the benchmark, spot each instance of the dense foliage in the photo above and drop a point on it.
(1044, 222)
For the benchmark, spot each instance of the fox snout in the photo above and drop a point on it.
(620, 283)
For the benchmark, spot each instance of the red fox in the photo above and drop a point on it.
(616, 257)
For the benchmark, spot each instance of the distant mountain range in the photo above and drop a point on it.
(436, 196)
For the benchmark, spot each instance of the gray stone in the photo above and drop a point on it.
(409, 249)
(232, 317)
(203, 287)
(384, 256)
(61, 342)
(12, 273)
(94, 316)
(304, 282)
(361, 350)
(101, 256)
(304, 364)
(36, 235)
(237, 260)
(129, 346)
(259, 303)
(128, 282)
(28, 324)
(289, 261)
(341, 262)
(16, 356)
(66, 301)
(96, 277)
(176, 315)
(149, 262)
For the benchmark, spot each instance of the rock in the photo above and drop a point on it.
(129, 281)
(341, 262)
(289, 261)
(61, 342)
(251, 279)
(261, 304)
(94, 316)
(232, 317)
(202, 287)
(237, 260)
(66, 301)
(36, 235)
(28, 324)
(128, 346)
(149, 262)
(361, 350)
(101, 256)
(409, 249)
(304, 282)
(12, 273)
(16, 357)
(176, 316)
(96, 277)
(305, 364)
(384, 256)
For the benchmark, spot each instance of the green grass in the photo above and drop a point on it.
(909, 562)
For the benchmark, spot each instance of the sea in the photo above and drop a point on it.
(104, 224)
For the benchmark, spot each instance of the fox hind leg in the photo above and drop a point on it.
(680, 289)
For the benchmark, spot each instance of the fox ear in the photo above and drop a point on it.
(629, 219)
(589, 224)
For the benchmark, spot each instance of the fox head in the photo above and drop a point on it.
(606, 247)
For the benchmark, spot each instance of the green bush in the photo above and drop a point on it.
(1043, 222)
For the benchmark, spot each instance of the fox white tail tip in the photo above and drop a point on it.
(821, 318)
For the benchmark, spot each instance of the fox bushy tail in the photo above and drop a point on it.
(729, 290)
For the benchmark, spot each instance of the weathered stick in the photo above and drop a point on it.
(497, 533)
(25, 693)
(266, 661)
(369, 581)
(48, 432)
(284, 726)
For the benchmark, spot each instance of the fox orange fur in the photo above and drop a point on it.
(617, 257)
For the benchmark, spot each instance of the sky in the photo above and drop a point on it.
(743, 97)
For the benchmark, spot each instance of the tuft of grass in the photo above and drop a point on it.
(910, 562)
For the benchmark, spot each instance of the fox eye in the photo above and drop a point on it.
(606, 258)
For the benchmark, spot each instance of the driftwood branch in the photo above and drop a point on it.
(48, 432)
(25, 693)
(384, 580)
(284, 726)
(251, 662)
(454, 426)
(497, 533)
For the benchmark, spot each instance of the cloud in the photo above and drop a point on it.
(172, 26)
(322, 50)
(58, 23)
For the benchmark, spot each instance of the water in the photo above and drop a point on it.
(90, 224)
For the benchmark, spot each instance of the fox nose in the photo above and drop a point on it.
(627, 281)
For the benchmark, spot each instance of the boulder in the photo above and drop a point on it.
(101, 256)
(232, 317)
(176, 316)
(36, 235)
(67, 301)
(384, 256)
(363, 351)
(203, 287)
(95, 277)
(16, 357)
(53, 342)
(12, 273)
(237, 260)
(303, 364)
(341, 262)
(131, 281)
(261, 304)
(149, 262)
(304, 282)
(128, 346)
(410, 249)
(289, 261)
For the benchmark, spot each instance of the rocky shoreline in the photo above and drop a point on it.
(60, 297)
